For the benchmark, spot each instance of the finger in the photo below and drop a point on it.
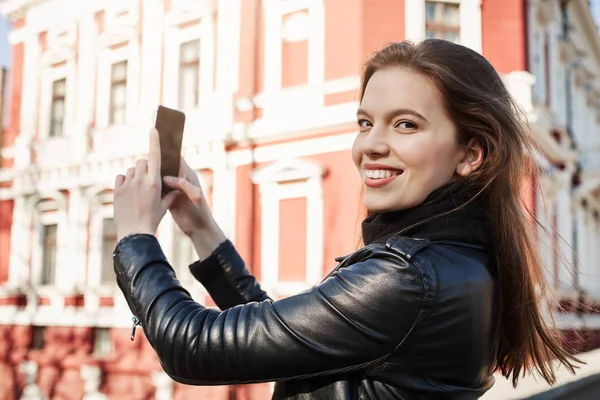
(119, 181)
(130, 174)
(168, 200)
(171, 182)
(193, 193)
(141, 168)
(154, 154)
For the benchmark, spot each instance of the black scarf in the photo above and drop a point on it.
(436, 219)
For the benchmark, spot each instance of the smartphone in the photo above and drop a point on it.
(169, 124)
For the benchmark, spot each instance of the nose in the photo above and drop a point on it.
(374, 144)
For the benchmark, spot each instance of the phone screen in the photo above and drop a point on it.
(169, 124)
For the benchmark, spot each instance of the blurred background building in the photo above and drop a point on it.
(270, 91)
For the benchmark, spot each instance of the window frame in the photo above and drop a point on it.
(277, 182)
(48, 209)
(100, 210)
(51, 74)
(57, 97)
(175, 36)
(48, 278)
(106, 263)
(470, 21)
(110, 54)
(440, 27)
(196, 65)
(114, 83)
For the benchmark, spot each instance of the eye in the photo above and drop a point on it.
(405, 125)
(363, 123)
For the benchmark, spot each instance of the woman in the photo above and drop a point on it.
(444, 292)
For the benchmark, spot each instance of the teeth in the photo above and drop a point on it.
(379, 173)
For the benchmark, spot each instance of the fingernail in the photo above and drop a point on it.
(170, 178)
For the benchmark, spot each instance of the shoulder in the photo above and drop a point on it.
(394, 271)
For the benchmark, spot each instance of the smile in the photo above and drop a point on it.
(376, 178)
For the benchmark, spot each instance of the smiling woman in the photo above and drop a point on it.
(446, 290)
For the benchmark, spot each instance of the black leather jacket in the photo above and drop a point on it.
(408, 319)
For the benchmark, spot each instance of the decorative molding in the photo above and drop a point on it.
(288, 169)
(186, 11)
(15, 9)
(470, 22)
(174, 37)
(273, 188)
(279, 101)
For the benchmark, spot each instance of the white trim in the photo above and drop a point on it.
(184, 11)
(342, 85)
(300, 148)
(574, 321)
(8, 152)
(49, 76)
(279, 102)
(228, 55)
(272, 191)
(470, 22)
(106, 58)
(40, 219)
(296, 119)
(174, 37)
(97, 215)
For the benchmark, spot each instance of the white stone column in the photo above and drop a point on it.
(582, 249)
(28, 100)
(223, 191)
(470, 24)
(151, 73)
(228, 46)
(163, 384)
(86, 79)
(595, 257)
(91, 376)
(544, 214)
(31, 391)
(75, 258)
(20, 239)
(565, 230)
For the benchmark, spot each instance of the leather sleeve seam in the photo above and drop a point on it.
(421, 315)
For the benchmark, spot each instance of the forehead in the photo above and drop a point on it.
(393, 88)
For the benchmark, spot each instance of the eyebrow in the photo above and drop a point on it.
(394, 113)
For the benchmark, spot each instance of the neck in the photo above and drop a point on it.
(452, 212)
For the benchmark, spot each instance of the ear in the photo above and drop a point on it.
(472, 158)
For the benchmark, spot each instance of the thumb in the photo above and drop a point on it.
(168, 199)
(193, 192)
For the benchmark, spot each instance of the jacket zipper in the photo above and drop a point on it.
(136, 322)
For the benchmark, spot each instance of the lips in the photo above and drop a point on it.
(379, 175)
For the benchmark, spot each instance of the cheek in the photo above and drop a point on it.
(425, 154)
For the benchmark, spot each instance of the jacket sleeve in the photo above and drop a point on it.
(226, 278)
(357, 316)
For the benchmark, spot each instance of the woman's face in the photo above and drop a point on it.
(407, 145)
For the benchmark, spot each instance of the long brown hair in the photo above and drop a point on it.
(481, 108)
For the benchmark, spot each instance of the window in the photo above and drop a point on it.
(189, 74)
(37, 337)
(48, 254)
(118, 93)
(109, 242)
(57, 112)
(102, 343)
(442, 20)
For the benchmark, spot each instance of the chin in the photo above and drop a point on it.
(381, 203)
